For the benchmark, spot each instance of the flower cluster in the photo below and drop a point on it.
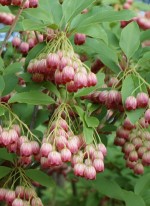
(141, 101)
(62, 66)
(12, 139)
(28, 3)
(142, 20)
(22, 196)
(135, 143)
(61, 145)
(111, 99)
(27, 41)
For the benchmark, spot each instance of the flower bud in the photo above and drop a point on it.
(46, 148)
(54, 158)
(142, 100)
(10, 196)
(80, 80)
(66, 155)
(26, 149)
(53, 61)
(17, 202)
(99, 165)
(133, 156)
(36, 202)
(79, 39)
(102, 148)
(147, 116)
(33, 3)
(24, 47)
(35, 147)
(2, 194)
(138, 169)
(61, 142)
(128, 124)
(91, 79)
(90, 172)
(146, 158)
(68, 74)
(79, 169)
(131, 103)
(16, 42)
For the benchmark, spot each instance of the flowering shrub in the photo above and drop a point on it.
(74, 85)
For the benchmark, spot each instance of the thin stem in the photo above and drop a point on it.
(34, 115)
(12, 27)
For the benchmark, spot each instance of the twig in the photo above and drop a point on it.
(74, 188)
(34, 115)
(37, 37)
(36, 108)
(12, 27)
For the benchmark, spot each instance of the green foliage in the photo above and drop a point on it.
(40, 177)
(2, 84)
(4, 171)
(4, 155)
(32, 97)
(76, 5)
(130, 39)
(40, 104)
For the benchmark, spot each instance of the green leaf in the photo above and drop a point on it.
(54, 8)
(26, 77)
(142, 184)
(95, 31)
(4, 171)
(24, 25)
(91, 121)
(2, 111)
(52, 88)
(6, 156)
(130, 39)
(33, 53)
(109, 128)
(106, 54)
(92, 199)
(80, 112)
(32, 97)
(2, 84)
(145, 60)
(24, 112)
(88, 133)
(134, 116)
(142, 6)
(4, 9)
(100, 16)
(13, 68)
(108, 187)
(102, 114)
(42, 116)
(49, 12)
(132, 199)
(73, 7)
(145, 35)
(40, 177)
(127, 87)
(1, 63)
(86, 91)
(11, 80)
